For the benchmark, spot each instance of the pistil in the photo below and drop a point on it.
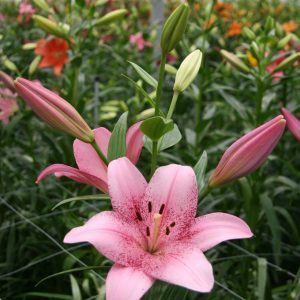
(155, 232)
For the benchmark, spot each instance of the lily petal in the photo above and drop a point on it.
(123, 283)
(134, 142)
(63, 170)
(292, 123)
(126, 188)
(87, 158)
(185, 266)
(172, 193)
(212, 229)
(111, 236)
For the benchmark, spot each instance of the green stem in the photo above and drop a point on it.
(173, 104)
(259, 98)
(160, 82)
(100, 153)
(198, 116)
(154, 157)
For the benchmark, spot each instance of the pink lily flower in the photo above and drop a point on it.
(7, 81)
(2, 18)
(27, 10)
(152, 232)
(8, 104)
(92, 170)
(248, 153)
(138, 40)
(271, 67)
(292, 123)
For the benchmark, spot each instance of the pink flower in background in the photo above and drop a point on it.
(292, 123)
(171, 58)
(8, 104)
(138, 40)
(271, 67)
(248, 153)
(106, 38)
(2, 18)
(152, 232)
(92, 170)
(26, 10)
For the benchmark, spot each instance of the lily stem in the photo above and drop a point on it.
(99, 152)
(173, 104)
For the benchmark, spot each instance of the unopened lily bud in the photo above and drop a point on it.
(29, 46)
(174, 28)
(53, 109)
(187, 71)
(10, 65)
(34, 64)
(111, 17)
(248, 33)
(248, 153)
(287, 62)
(255, 50)
(170, 69)
(42, 4)
(284, 41)
(7, 81)
(234, 61)
(49, 26)
(278, 29)
(292, 123)
(270, 23)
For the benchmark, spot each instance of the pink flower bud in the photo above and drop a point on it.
(7, 81)
(292, 123)
(53, 109)
(248, 153)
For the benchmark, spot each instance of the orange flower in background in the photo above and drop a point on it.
(252, 60)
(197, 7)
(234, 29)
(224, 9)
(54, 53)
(289, 26)
(279, 8)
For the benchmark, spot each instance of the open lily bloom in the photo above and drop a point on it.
(92, 170)
(152, 232)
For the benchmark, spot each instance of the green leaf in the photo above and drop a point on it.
(261, 278)
(144, 75)
(81, 198)
(45, 295)
(117, 142)
(156, 127)
(170, 139)
(75, 288)
(200, 169)
(273, 223)
(145, 94)
(68, 272)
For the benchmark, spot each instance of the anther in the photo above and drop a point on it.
(149, 207)
(138, 215)
(161, 209)
(172, 224)
(167, 230)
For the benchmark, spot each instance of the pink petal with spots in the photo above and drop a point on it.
(184, 266)
(126, 187)
(87, 158)
(124, 283)
(117, 240)
(212, 229)
(173, 193)
(134, 142)
(74, 174)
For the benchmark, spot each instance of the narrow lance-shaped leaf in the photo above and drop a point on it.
(200, 169)
(117, 142)
(144, 75)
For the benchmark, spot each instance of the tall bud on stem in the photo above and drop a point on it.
(248, 153)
